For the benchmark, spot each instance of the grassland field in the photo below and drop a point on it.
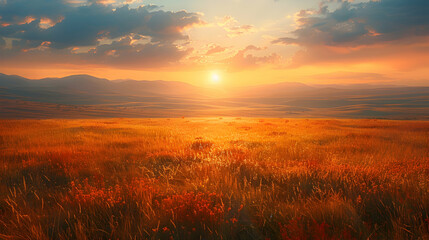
(214, 178)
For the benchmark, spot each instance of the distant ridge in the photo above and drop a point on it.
(85, 96)
(81, 84)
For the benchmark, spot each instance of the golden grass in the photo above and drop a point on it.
(208, 178)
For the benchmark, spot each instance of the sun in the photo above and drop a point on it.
(215, 78)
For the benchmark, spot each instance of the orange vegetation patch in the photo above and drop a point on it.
(191, 208)
(228, 178)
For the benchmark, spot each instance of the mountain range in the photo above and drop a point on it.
(84, 96)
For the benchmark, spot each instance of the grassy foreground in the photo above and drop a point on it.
(214, 179)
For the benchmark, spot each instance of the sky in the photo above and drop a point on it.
(231, 43)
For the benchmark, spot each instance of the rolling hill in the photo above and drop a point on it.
(84, 96)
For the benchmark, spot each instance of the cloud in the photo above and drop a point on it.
(105, 2)
(15, 11)
(399, 56)
(141, 55)
(367, 23)
(215, 49)
(244, 60)
(108, 2)
(233, 27)
(359, 31)
(119, 35)
(125, 53)
(86, 25)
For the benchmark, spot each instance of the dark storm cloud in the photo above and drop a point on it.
(85, 25)
(16, 10)
(124, 53)
(121, 54)
(355, 24)
(60, 31)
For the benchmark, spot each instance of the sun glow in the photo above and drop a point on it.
(215, 78)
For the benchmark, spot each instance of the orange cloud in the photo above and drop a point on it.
(233, 27)
(244, 60)
(398, 55)
(215, 49)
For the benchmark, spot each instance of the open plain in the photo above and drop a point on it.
(214, 178)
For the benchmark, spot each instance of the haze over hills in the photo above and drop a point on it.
(84, 96)
(84, 84)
